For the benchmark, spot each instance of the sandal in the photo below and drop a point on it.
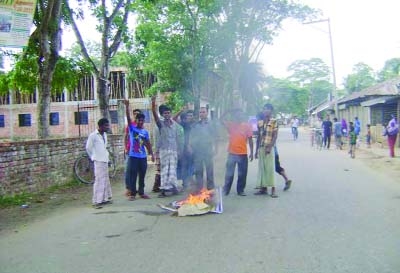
(273, 195)
(131, 198)
(261, 193)
(287, 185)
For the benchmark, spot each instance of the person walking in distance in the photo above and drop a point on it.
(337, 132)
(327, 129)
(96, 147)
(357, 129)
(137, 161)
(295, 124)
(352, 140)
(240, 132)
(168, 149)
(392, 131)
(368, 136)
(203, 143)
(267, 135)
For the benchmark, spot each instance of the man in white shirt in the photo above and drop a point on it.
(96, 147)
(295, 124)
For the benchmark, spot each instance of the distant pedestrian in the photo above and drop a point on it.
(357, 130)
(344, 127)
(137, 161)
(96, 147)
(267, 135)
(240, 132)
(368, 136)
(352, 140)
(337, 132)
(392, 132)
(295, 127)
(327, 130)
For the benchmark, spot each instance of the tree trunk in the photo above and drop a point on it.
(50, 43)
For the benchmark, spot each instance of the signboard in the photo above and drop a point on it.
(15, 22)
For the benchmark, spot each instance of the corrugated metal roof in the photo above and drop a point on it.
(386, 88)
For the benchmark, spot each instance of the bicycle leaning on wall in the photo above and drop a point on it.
(84, 168)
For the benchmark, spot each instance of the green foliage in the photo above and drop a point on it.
(390, 70)
(4, 84)
(15, 200)
(362, 77)
(286, 96)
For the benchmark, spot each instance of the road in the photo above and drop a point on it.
(339, 216)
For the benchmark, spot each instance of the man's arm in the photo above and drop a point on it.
(250, 140)
(153, 110)
(147, 144)
(89, 146)
(128, 116)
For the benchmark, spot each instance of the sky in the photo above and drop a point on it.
(361, 31)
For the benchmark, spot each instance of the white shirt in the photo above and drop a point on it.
(96, 147)
(295, 122)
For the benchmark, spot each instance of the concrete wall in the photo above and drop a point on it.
(31, 166)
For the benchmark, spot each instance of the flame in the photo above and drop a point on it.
(202, 197)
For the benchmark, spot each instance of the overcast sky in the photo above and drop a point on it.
(362, 31)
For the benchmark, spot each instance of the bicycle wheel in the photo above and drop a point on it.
(84, 169)
(111, 165)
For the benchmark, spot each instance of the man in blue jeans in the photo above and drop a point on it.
(240, 132)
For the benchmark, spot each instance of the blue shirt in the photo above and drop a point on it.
(138, 136)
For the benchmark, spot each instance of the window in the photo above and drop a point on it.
(54, 118)
(114, 116)
(81, 118)
(24, 120)
(2, 124)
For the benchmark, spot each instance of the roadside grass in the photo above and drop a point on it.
(26, 198)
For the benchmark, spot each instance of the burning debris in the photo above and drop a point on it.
(196, 204)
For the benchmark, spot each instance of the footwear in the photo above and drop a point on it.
(273, 195)
(108, 202)
(128, 193)
(131, 198)
(261, 192)
(97, 206)
(241, 194)
(162, 194)
(287, 185)
(144, 196)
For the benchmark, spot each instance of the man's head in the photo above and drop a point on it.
(268, 109)
(188, 116)
(104, 125)
(335, 119)
(203, 113)
(165, 111)
(135, 112)
(139, 119)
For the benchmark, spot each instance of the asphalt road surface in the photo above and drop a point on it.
(339, 216)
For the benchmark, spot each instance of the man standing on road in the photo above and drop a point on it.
(168, 148)
(137, 161)
(240, 132)
(267, 135)
(295, 124)
(96, 147)
(203, 145)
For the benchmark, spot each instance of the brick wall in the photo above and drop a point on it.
(31, 166)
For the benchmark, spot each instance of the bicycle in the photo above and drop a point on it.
(84, 168)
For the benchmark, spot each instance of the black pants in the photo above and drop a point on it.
(136, 167)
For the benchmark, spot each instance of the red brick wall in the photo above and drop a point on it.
(31, 166)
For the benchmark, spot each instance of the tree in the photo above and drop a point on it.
(362, 77)
(45, 43)
(112, 25)
(312, 75)
(286, 96)
(390, 70)
(245, 27)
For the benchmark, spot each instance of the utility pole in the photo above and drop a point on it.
(332, 93)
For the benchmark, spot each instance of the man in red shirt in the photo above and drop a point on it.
(240, 132)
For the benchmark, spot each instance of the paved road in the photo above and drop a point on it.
(340, 216)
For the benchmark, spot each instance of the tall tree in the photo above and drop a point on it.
(312, 75)
(245, 27)
(112, 20)
(363, 76)
(45, 43)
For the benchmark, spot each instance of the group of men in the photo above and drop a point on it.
(188, 146)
